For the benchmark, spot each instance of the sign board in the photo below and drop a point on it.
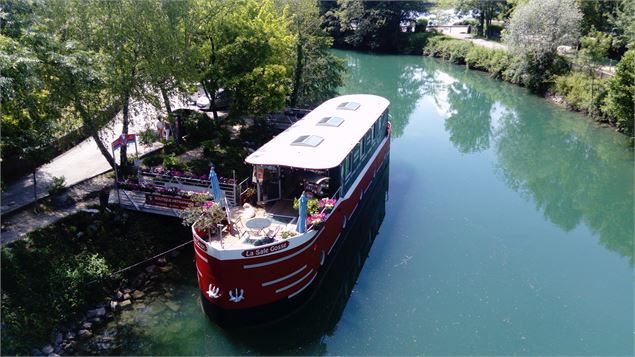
(123, 140)
(265, 250)
(177, 202)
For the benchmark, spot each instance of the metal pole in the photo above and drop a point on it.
(116, 176)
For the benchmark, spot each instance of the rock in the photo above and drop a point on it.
(87, 325)
(138, 294)
(70, 335)
(85, 334)
(157, 308)
(126, 296)
(119, 295)
(173, 306)
(125, 303)
(162, 261)
(35, 352)
(80, 234)
(113, 305)
(47, 349)
(154, 293)
(166, 268)
(96, 320)
(127, 291)
(96, 312)
(151, 268)
(53, 355)
(59, 338)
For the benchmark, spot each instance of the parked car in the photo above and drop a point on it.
(221, 99)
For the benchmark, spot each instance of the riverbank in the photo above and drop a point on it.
(601, 99)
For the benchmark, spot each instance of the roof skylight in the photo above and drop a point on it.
(331, 121)
(349, 106)
(308, 140)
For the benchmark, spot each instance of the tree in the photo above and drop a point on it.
(621, 93)
(595, 46)
(375, 25)
(245, 48)
(486, 10)
(535, 31)
(317, 73)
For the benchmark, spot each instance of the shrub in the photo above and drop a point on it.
(57, 186)
(575, 88)
(450, 49)
(154, 159)
(621, 93)
(172, 162)
(148, 136)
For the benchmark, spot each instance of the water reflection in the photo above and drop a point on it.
(402, 84)
(573, 171)
(319, 318)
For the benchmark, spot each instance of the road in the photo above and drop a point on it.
(84, 160)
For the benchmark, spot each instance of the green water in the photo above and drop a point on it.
(507, 230)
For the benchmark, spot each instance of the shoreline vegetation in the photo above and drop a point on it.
(76, 64)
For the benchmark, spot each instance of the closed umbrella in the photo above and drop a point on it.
(215, 185)
(302, 214)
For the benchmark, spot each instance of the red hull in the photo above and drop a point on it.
(279, 271)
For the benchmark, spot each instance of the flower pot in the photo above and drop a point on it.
(60, 200)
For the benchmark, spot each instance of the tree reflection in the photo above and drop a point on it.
(574, 172)
(400, 79)
(469, 122)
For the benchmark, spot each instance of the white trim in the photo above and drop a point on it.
(284, 277)
(249, 266)
(295, 282)
(199, 272)
(304, 287)
(200, 255)
(333, 245)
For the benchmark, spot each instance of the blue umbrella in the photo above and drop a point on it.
(215, 185)
(302, 216)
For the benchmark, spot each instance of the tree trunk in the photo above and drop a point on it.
(212, 104)
(297, 78)
(94, 132)
(123, 158)
(168, 109)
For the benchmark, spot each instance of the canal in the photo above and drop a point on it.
(505, 227)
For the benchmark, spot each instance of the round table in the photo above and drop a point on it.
(258, 224)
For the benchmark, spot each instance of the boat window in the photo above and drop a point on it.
(356, 156)
(368, 141)
(308, 140)
(349, 106)
(346, 167)
(331, 121)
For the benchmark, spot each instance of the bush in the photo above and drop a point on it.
(450, 49)
(421, 25)
(575, 88)
(148, 136)
(621, 93)
(57, 186)
(489, 60)
(154, 159)
(172, 162)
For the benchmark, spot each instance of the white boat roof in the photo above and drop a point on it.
(325, 136)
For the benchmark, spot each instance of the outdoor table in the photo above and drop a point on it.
(258, 224)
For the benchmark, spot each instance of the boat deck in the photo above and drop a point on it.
(281, 215)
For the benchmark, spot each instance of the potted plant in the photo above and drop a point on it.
(316, 221)
(327, 204)
(58, 191)
(203, 215)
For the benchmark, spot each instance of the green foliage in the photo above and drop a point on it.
(453, 50)
(58, 272)
(621, 93)
(172, 162)
(58, 185)
(312, 205)
(413, 43)
(148, 136)
(493, 61)
(373, 25)
(576, 89)
(154, 159)
(203, 214)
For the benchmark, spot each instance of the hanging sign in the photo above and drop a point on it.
(123, 140)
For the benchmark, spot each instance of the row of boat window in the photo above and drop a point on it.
(364, 147)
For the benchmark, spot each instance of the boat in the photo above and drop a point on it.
(270, 258)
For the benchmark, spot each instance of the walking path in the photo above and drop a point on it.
(84, 160)
(84, 195)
